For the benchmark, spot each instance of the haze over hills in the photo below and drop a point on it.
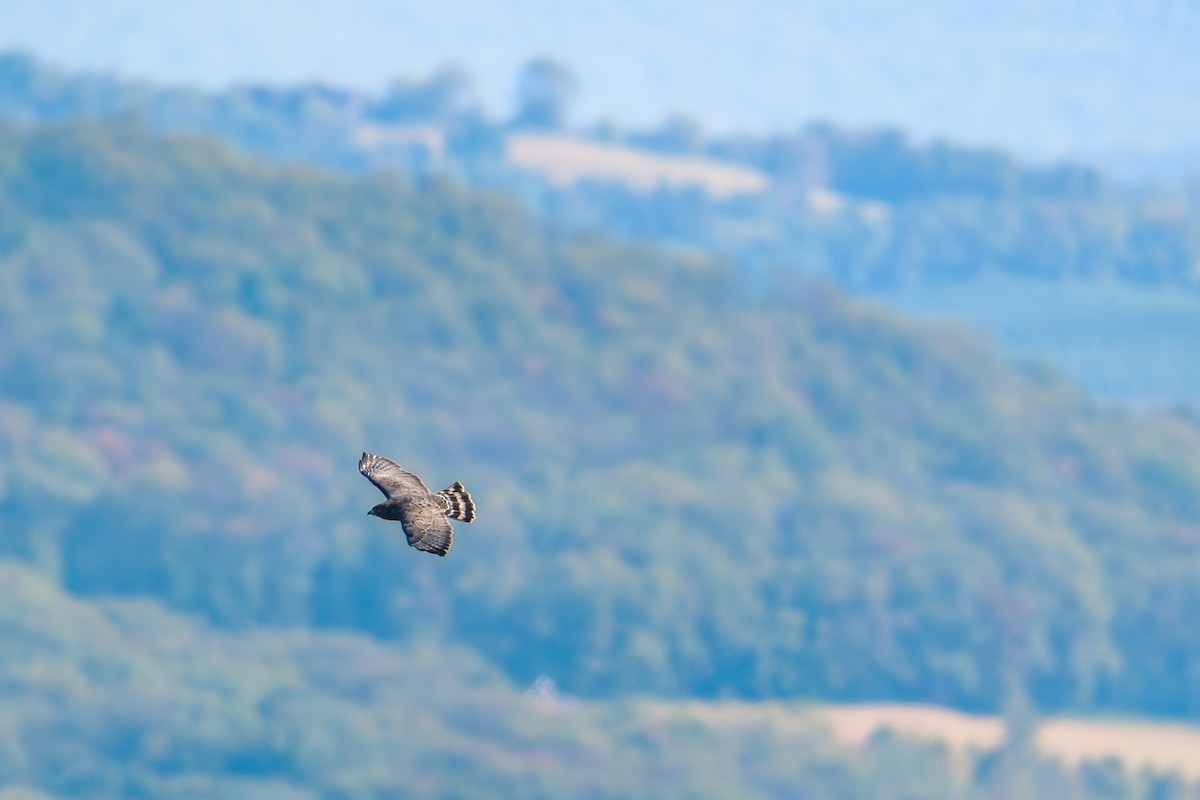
(1055, 262)
(1108, 82)
(682, 473)
(687, 489)
(702, 469)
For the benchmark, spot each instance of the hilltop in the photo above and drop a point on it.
(1053, 261)
(1104, 80)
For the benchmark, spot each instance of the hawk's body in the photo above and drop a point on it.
(424, 515)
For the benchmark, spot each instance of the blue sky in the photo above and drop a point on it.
(1107, 80)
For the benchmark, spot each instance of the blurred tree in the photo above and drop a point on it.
(545, 90)
(445, 96)
(678, 133)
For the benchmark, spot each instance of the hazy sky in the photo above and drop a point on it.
(1087, 78)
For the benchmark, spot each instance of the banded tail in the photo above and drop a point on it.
(457, 503)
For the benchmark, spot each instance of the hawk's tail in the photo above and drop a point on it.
(457, 503)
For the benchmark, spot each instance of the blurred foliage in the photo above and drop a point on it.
(122, 699)
(687, 484)
(887, 212)
(1104, 276)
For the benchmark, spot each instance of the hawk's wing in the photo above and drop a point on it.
(426, 526)
(391, 478)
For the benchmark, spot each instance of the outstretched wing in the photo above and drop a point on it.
(391, 478)
(426, 526)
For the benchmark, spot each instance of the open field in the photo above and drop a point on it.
(1137, 744)
(565, 160)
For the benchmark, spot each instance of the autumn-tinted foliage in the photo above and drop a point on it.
(686, 485)
(120, 698)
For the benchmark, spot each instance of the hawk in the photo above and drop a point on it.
(425, 515)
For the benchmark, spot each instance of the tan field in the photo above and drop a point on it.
(565, 160)
(1159, 746)
(1136, 744)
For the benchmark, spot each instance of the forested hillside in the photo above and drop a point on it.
(685, 486)
(889, 211)
(121, 699)
(1052, 261)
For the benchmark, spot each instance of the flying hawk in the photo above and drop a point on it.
(422, 513)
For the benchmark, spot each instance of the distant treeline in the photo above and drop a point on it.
(947, 212)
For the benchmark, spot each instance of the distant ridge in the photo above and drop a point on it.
(1025, 76)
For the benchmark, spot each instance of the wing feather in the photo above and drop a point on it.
(389, 477)
(426, 527)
